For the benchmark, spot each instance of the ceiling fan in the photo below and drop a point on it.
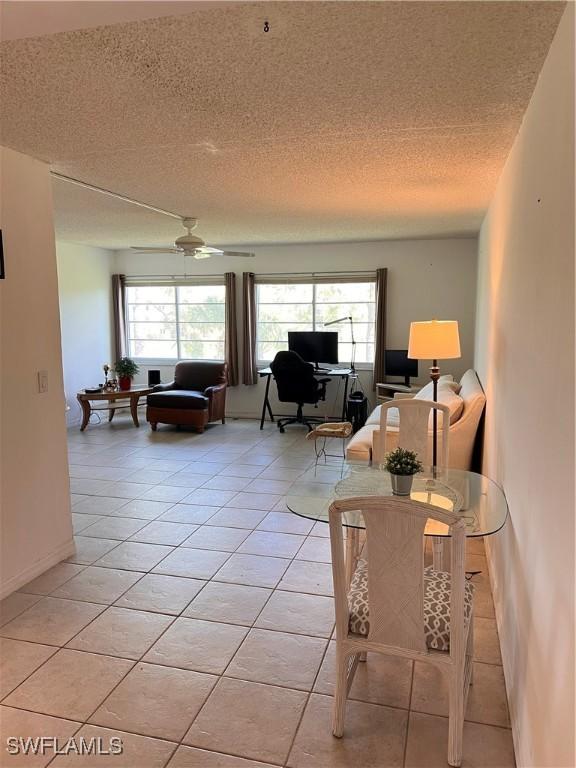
(191, 245)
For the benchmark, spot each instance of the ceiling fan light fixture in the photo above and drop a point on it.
(189, 242)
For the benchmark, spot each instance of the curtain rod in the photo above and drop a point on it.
(221, 274)
(172, 277)
(264, 274)
(317, 274)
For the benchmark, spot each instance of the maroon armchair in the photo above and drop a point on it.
(196, 396)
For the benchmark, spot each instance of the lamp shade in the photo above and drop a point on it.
(434, 340)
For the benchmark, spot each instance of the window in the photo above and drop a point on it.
(170, 322)
(301, 306)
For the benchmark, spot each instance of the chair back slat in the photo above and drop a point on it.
(395, 576)
(414, 426)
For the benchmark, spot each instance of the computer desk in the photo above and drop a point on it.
(334, 373)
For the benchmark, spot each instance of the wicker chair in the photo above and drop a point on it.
(413, 421)
(393, 605)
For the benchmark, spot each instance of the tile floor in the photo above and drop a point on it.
(195, 621)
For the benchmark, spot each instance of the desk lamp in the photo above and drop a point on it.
(342, 320)
(434, 340)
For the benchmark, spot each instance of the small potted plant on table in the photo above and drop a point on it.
(126, 369)
(402, 465)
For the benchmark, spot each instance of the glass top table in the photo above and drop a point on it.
(477, 499)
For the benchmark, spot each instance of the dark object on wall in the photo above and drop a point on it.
(357, 410)
(153, 378)
(2, 273)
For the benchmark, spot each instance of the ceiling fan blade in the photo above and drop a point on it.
(219, 252)
(209, 249)
(155, 250)
(200, 253)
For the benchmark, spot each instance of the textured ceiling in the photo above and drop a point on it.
(346, 121)
(31, 18)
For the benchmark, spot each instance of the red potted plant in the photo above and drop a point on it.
(126, 369)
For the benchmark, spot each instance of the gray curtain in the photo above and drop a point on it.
(379, 369)
(231, 351)
(119, 309)
(249, 372)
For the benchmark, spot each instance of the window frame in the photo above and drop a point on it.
(314, 280)
(208, 282)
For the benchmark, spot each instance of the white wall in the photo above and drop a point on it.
(426, 278)
(84, 286)
(525, 357)
(35, 503)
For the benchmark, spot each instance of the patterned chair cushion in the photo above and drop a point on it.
(436, 605)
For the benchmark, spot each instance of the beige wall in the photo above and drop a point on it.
(525, 358)
(36, 529)
(84, 288)
(426, 278)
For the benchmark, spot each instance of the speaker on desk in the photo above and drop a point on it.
(153, 378)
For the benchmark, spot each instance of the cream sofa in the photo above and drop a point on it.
(364, 447)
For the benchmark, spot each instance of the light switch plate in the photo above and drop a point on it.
(42, 381)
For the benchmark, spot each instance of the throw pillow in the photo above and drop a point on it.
(448, 397)
(444, 382)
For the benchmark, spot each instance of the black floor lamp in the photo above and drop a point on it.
(341, 320)
(434, 340)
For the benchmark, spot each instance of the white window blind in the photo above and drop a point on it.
(306, 302)
(170, 319)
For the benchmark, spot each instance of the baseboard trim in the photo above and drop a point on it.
(521, 751)
(73, 421)
(36, 569)
(257, 416)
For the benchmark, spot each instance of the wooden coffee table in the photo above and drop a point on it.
(115, 400)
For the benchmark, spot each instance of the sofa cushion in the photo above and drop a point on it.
(359, 447)
(472, 393)
(178, 398)
(436, 606)
(391, 420)
(446, 396)
(444, 382)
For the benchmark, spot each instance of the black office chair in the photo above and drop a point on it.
(297, 383)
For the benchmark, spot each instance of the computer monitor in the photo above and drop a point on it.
(397, 363)
(314, 346)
